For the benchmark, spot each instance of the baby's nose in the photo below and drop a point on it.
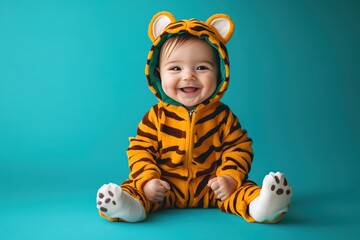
(189, 75)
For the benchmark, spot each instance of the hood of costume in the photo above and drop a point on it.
(216, 30)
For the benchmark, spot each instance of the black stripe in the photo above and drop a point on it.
(219, 109)
(147, 122)
(210, 133)
(202, 157)
(176, 189)
(235, 202)
(202, 185)
(142, 148)
(141, 161)
(141, 170)
(147, 135)
(229, 159)
(169, 163)
(172, 115)
(173, 175)
(170, 149)
(176, 25)
(209, 170)
(172, 131)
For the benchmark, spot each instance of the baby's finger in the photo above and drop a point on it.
(159, 198)
(211, 181)
(165, 184)
(214, 186)
(218, 192)
(220, 195)
(161, 190)
(165, 189)
(224, 198)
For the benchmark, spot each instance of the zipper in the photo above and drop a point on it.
(191, 113)
(189, 147)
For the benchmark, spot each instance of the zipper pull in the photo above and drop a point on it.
(191, 112)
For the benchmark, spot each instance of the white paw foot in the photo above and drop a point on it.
(107, 199)
(274, 198)
(115, 203)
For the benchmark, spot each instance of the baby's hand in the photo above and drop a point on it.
(223, 186)
(155, 190)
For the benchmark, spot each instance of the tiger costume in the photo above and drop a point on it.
(187, 149)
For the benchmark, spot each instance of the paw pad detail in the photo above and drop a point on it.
(281, 184)
(105, 198)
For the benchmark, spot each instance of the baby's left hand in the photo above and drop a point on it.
(223, 186)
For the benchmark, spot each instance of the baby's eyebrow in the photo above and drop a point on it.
(208, 62)
(197, 62)
(172, 62)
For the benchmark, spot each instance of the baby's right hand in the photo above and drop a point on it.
(155, 190)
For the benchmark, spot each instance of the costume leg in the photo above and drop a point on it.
(266, 204)
(239, 201)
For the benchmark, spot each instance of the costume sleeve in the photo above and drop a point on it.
(143, 150)
(237, 151)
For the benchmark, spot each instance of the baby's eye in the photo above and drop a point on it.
(202, 68)
(175, 68)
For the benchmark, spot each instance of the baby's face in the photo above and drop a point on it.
(189, 73)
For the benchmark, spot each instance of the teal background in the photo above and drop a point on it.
(72, 90)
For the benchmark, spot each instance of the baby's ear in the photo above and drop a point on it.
(223, 24)
(158, 24)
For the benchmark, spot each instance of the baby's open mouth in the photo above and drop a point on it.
(189, 89)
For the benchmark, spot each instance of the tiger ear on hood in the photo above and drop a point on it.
(223, 24)
(158, 23)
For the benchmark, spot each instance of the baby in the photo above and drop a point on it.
(190, 150)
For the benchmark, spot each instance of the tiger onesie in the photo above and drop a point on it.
(188, 148)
